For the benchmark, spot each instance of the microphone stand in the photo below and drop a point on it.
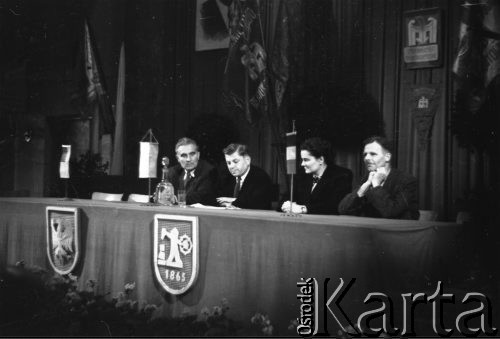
(66, 197)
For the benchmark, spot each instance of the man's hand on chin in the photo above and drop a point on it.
(362, 190)
(379, 176)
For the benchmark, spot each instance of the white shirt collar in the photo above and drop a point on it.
(243, 177)
(319, 177)
(386, 176)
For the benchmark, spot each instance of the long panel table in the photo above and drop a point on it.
(254, 259)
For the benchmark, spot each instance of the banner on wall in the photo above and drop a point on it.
(422, 38)
(424, 102)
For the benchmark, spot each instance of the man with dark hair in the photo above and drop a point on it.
(386, 192)
(196, 176)
(248, 186)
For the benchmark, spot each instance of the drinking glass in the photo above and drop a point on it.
(181, 198)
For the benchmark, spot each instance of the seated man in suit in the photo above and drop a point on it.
(324, 185)
(196, 176)
(386, 192)
(248, 186)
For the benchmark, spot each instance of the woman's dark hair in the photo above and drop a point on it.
(319, 148)
(384, 142)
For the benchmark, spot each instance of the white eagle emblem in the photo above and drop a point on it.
(62, 239)
(62, 226)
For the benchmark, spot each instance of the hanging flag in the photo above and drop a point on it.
(245, 75)
(468, 65)
(491, 24)
(279, 62)
(117, 160)
(477, 63)
(478, 58)
(148, 155)
(97, 99)
(64, 162)
(291, 153)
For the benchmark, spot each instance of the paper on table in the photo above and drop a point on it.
(198, 205)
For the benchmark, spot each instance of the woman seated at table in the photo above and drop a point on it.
(324, 184)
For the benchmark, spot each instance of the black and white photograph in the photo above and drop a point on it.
(212, 24)
(250, 168)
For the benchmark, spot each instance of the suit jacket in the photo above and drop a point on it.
(255, 193)
(396, 199)
(201, 188)
(334, 184)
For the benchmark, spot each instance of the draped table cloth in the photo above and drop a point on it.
(254, 259)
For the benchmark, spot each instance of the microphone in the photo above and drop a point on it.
(165, 161)
(27, 135)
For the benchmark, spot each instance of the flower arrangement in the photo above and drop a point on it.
(262, 322)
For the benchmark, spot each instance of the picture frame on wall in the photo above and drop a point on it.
(212, 25)
(422, 38)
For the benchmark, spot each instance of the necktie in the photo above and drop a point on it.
(315, 180)
(187, 177)
(237, 187)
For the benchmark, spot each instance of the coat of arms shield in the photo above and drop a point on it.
(175, 251)
(63, 243)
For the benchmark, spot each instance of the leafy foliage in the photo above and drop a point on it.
(34, 302)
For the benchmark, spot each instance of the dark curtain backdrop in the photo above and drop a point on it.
(356, 45)
(321, 81)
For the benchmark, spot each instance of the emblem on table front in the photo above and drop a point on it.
(63, 243)
(175, 251)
